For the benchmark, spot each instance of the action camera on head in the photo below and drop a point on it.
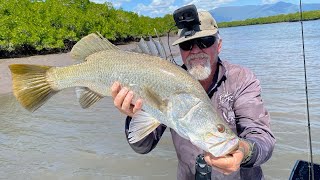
(187, 18)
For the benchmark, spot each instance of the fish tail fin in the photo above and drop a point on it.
(30, 85)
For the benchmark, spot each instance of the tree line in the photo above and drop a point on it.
(306, 16)
(37, 26)
(46, 26)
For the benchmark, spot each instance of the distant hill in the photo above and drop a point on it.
(234, 13)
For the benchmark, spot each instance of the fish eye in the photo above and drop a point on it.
(221, 128)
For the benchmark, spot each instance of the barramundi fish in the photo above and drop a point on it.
(170, 94)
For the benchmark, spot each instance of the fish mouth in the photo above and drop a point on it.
(224, 147)
(234, 142)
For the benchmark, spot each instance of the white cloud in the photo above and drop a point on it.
(269, 1)
(207, 4)
(156, 8)
(160, 7)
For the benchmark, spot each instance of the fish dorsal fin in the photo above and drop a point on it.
(90, 44)
(152, 47)
(154, 99)
(143, 46)
(87, 97)
(160, 49)
(141, 125)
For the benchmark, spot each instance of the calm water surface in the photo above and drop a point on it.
(63, 141)
(274, 53)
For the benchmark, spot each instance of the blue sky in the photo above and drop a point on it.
(158, 8)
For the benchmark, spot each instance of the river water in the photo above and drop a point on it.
(62, 141)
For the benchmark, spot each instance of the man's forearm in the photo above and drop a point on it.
(263, 146)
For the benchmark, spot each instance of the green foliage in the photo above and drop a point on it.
(308, 15)
(48, 24)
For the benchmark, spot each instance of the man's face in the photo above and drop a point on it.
(200, 61)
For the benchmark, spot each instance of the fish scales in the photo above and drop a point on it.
(170, 95)
(104, 68)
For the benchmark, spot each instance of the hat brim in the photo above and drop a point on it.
(198, 34)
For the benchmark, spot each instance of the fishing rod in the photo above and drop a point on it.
(311, 165)
(172, 58)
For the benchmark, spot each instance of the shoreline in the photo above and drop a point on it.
(59, 60)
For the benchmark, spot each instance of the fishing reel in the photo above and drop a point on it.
(203, 170)
(187, 18)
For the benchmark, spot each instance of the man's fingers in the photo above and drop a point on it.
(207, 158)
(137, 106)
(228, 164)
(122, 99)
(222, 163)
(118, 100)
(126, 105)
(239, 156)
(115, 88)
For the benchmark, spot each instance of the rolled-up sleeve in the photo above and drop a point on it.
(148, 143)
(253, 119)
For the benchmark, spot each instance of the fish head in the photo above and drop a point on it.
(195, 118)
(221, 143)
(210, 133)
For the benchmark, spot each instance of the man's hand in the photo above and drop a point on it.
(122, 99)
(231, 162)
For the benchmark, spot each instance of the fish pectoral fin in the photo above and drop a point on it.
(90, 44)
(87, 97)
(155, 100)
(141, 125)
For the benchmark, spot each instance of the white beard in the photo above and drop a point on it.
(198, 71)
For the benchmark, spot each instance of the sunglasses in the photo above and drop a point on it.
(202, 43)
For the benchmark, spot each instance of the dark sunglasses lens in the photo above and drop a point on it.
(187, 45)
(203, 42)
(206, 42)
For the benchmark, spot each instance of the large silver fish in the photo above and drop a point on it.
(171, 96)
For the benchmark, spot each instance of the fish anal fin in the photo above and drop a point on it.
(87, 97)
(141, 125)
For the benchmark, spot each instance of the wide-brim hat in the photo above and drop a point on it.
(208, 27)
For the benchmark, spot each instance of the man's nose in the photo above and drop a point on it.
(195, 49)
